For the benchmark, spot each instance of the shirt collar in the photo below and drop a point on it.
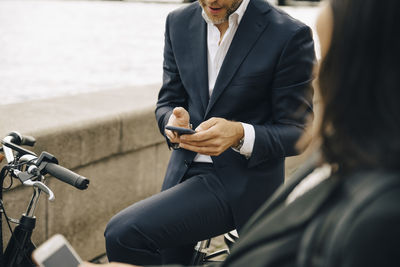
(238, 13)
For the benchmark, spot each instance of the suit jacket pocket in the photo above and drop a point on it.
(251, 79)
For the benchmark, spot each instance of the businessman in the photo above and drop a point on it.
(239, 72)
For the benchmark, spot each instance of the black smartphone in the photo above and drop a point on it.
(180, 130)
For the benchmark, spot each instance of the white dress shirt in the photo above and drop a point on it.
(312, 180)
(216, 54)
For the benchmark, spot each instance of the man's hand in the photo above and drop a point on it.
(179, 118)
(213, 137)
(112, 264)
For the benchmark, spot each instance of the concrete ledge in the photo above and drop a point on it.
(112, 138)
(89, 126)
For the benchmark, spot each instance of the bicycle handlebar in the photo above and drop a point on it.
(22, 140)
(66, 175)
(12, 142)
(28, 140)
(47, 163)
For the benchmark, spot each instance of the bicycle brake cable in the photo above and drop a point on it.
(3, 174)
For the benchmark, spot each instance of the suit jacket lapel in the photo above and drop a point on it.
(273, 218)
(283, 192)
(251, 26)
(302, 209)
(284, 219)
(198, 50)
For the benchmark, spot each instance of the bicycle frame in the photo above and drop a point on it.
(20, 246)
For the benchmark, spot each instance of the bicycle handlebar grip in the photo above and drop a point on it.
(22, 140)
(67, 176)
(28, 140)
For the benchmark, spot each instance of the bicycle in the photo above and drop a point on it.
(29, 169)
(201, 255)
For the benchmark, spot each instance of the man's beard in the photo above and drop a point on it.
(229, 11)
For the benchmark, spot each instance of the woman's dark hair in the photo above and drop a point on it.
(360, 86)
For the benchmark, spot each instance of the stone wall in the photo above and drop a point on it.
(110, 137)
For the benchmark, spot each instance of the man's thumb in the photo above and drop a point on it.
(205, 125)
(178, 112)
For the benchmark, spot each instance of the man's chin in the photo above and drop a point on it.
(216, 20)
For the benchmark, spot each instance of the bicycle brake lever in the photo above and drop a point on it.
(42, 187)
(25, 178)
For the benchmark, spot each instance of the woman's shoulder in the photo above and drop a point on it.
(366, 231)
(373, 237)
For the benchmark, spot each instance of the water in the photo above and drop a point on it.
(52, 48)
(57, 48)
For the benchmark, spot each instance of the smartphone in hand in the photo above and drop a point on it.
(56, 252)
(180, 130)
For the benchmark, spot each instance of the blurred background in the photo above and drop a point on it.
(57, 48)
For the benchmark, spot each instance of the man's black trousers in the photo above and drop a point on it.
(164, 228)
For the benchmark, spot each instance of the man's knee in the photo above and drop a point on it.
(128, 234)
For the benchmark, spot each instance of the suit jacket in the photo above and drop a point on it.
(265, 80)
(350, 220)
(347, 220)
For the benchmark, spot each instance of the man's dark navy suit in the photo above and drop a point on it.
(265, 81)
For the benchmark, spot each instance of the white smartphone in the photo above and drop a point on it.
(56, 252)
